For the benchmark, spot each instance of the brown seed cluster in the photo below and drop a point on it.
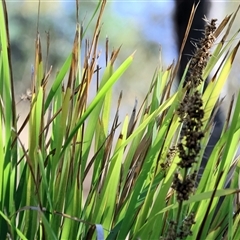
(190, 143)
(201, 56)
(184, 187)
(185, 228)
(171, 234)
(191, 114)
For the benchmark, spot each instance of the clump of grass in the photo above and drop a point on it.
(135, 162)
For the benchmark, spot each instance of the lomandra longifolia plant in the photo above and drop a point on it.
(87, 174)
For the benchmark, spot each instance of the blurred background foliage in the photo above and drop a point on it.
(145, 26)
